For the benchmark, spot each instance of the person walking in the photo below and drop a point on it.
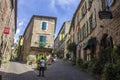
(42, 67)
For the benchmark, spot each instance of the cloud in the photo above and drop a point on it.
(18, 31)
(63, 3)
(53, 6)
(20, 23)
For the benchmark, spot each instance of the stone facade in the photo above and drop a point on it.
(8, 18)
(31, 43)
(87, 24)
(61, 40)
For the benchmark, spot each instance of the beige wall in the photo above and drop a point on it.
(34, 31)
(110, 26)
(27, 40)
(7, 19)
(37, 32)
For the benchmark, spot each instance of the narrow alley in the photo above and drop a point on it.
(59, 70)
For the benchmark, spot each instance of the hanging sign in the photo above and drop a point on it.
(105, 14)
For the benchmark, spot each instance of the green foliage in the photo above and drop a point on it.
(41, 44)
(98, 67)
(67, 56)
(4, 62)
(91, 66)
(85, 65)
(111, 71)
(39, 57)
(107, 66)
(31, 59)
(116, 54)
(80, 62)
(71, 47)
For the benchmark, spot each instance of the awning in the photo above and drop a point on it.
(90, 43)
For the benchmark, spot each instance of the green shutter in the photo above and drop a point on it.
(44, 25)
(88, 27)
(94, 18)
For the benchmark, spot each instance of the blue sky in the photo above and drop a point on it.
(62, 9)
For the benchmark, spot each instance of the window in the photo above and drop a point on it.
(86, 30)
(81, 34)
(76, 21)
(89, 4)
(12, 4)
(106, 4)
(80, 15)
(94, 19)
(109, 4)
(78, 18)
(42, 41)
(83, 11)
(44, 24)
(88, 27)
(91, 23)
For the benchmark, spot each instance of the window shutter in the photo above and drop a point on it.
(94, 18)
(88, 27)
(42, 41)
(89, 4)
(91, 23)
(43, 25)
(81, 35)
(86, 32)
(80, 14)
(42, 38)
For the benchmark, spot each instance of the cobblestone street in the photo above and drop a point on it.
(59, 70)
(19, 71)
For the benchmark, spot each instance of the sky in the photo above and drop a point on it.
(62, 9)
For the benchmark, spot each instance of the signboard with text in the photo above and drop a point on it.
(6, 30)
(105, 15)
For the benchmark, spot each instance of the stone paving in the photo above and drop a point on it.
(59, 70)
(3, 70)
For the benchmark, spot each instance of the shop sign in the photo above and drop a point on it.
(6, 30)
(105, 14)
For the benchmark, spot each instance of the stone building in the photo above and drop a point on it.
(38, 36)
(61, 40)
(91, 21)
(8, 25)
